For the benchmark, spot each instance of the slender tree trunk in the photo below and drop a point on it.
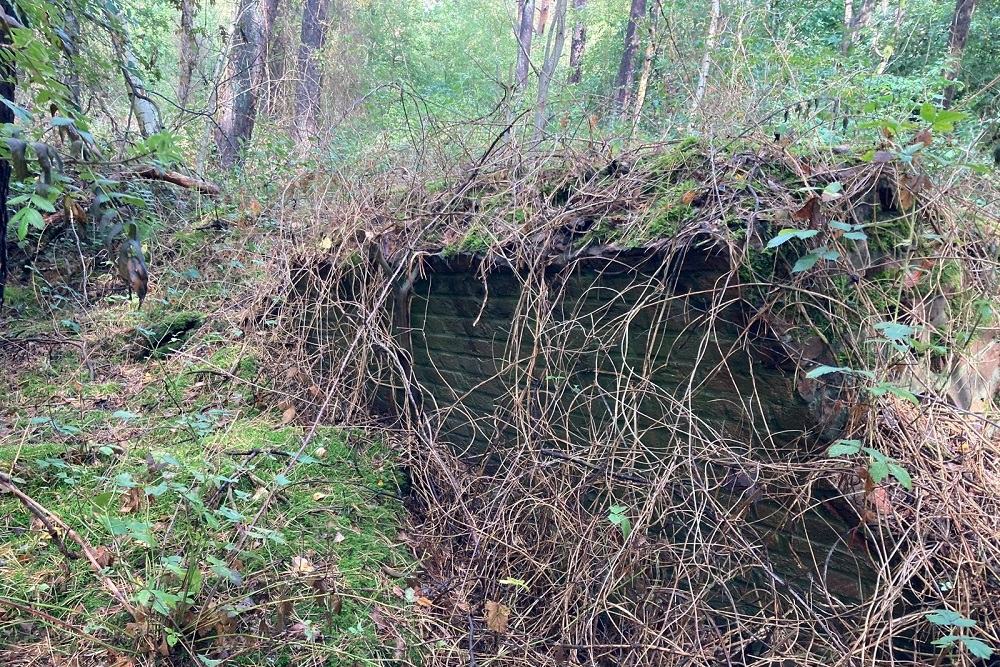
(71, 51)
(188, 51)
(307, 95)
(525, 30)
(543, 17)
(553, 53)
(959, 34)
(7, 83)
(578, 43)
(145, 110)
(647, 68)
(706, 60)
(847, 39)
(271, 70)
(626, 68)
(239, 112)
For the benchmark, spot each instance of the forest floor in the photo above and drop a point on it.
(213, 525)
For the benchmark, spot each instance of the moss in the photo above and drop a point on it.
(166, 333)
(477, 241)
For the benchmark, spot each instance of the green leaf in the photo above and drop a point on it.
(895, 330)
(820, 371)
(617, 516)
(43, 203)
(208, 662)
(125, 480)
(902, 476)
(978, 648)
(805, 262)
(887, 388)
(945, 617)
(833, 191)
(844, 448)
(927, 112)
(788, 234)
(946, 642)
(878, 471)
(61, 121)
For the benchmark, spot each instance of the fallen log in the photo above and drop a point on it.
(177, 178)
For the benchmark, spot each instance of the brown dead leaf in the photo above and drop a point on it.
(301, 566)
(104, 556)
(288, 415)
(809, 211)
(689, 197)
(924, 137)
(497, 616)
(423, 602)
(132, 500)
(880, 499)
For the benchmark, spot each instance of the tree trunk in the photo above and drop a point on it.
(706, 60)
(145, 110)
(847, 39)
(647, 69)
(525, 30)
(270, 72)
(7, 82)
(553, 53)
(239, 111)
(71, 51)
(307, 95)
(626, 69)
(543, 17)
(959, 34)
(188, 51)
(578, 43)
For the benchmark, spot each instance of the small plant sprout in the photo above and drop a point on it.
(946, 618)
(618, 517)
(880, 466)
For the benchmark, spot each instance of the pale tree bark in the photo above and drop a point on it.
(188, 47)
(855, 18)
(847, 38)
(957, 37)
(706, 61)
(578, 42)
(553, 53)
(647, 68)
(239, 104)
(543, 17)
(307, 95)
(525, 30)
(145, 110)
(626, 68)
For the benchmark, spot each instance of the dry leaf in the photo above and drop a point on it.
(301, 566)
(810, 211)
(288, 415)
(132, 500)
(338, 538)
(320, 453)
(689, 197)
(923, 137)
(318, 496)
(497, 616)
(425, 602)
(103, 556)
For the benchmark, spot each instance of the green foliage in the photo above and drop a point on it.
(880, 466)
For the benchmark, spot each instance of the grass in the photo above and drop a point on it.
(235, 537)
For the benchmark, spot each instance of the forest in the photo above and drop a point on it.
(499, 332)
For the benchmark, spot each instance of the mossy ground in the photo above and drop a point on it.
(238, 538)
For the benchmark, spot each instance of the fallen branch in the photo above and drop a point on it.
(177, 178)
(59, 623)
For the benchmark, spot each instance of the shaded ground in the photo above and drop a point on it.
(231, 531)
